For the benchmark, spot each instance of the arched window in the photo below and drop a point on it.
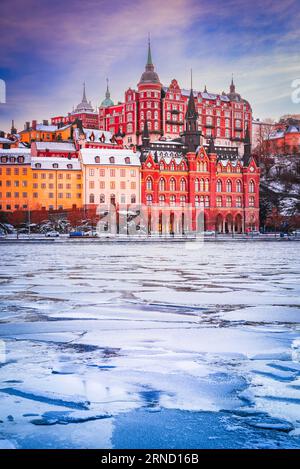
(161, 166)
(149, 199)
(197, 201)
(219, 186)
(251, 187)
(182, 200)
(239, 202)
(219, 201)
(92, 199)
(162, 200)
(172, 200)
(129, 128)
(102, 199)
(112, 159)
(97, 159)
(197, 185)
(205, 166)
(198, 166)
(148, 114)
(201, 201)
(182, 185)
(201, 185)
(155, 115)
(149, 184)
(113, 199)
(228, 186)
(238, 186)
(162, 184)
(201, 166)
(206, 185)
(206, 202)
(129, 117)
(172, 184)
(251, 201)
(228, 201)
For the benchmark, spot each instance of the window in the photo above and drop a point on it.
(149, 184)
(206, 185)
(102, 184)
(149, 199)
(238, 201)
(201, 185)
(251, 187)
(122, 172)
(91, 184)
(133, 198)
(92, 199)
(219, 201)
(206, 201)
(127, 160)
(132, 185)
(38, 165)
(24, 171)
(238, 186)
(162, 184)
(251, 201)
(132, 172)
(182, 200)
(228, 201)
(112, 184)
(219, 186)
(197, 201)
(123, 199)
(102, 199)
(197, 185)
(55, 165)
(123, 185)
(172, 200)
(102, 172)
(97, 159)
(112, 173)
(228, 186)
(112, 159)
(172, 184)
(182, 185)
(16, 171)
(162, 200)
(91, 172)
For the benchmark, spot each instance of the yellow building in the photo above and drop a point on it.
(15, 179)
(56, 183)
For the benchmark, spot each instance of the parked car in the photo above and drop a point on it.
(76, 234)
(52, 234)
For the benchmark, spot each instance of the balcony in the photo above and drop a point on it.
(174, 122)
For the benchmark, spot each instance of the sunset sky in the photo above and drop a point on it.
(48, 48)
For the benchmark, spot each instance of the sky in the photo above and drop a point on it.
(48, 48)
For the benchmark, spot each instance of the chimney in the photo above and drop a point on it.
(33, 125)
(27, 125)
(45, 122)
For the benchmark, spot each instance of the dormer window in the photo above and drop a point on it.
(69, 166)
(3, 159)
(38, 165)
(12, 159)
(21, 159)
(127, 160)
(97, 159)
(55, 165)
(112, 159)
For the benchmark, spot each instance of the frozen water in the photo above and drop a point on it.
(150, 346)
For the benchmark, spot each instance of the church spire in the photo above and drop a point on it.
(149, 58)
(84, 100)
(107, 94)
(232, 86)
(191, 135)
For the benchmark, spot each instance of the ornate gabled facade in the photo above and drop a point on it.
(227, 190)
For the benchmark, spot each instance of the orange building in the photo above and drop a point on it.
(15, 179)
(44, 132)
(56, 183)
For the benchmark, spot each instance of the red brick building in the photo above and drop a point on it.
(177, 173)
(224, 116)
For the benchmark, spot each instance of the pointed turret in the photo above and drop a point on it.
(107, 101)
(191, 136)
(232, 86)
(145, 135)
(211, 147)
(84, 100)
(247, 147)
(149, 75)
(84, 106)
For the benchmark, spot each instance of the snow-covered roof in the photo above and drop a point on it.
(46, 128)
(205, 95)
(97, 135)
(88, 156)
(5, 140)
(14, 151)
(56, 146)
(55, 163)
(13, 155)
